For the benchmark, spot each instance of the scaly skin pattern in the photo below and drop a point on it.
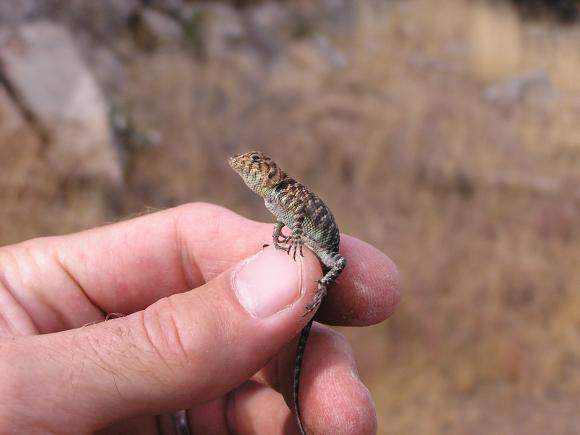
(311, 223)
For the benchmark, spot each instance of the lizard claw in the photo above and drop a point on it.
(279, 241)
(295, 243)
(320, 293)
(282, 238)
(309, 308)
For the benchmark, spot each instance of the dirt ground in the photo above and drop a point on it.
(445, 133)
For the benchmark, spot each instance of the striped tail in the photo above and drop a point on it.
(297, 366)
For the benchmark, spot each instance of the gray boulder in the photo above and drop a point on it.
(41, 65)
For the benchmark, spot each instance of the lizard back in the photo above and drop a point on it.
(320, 232)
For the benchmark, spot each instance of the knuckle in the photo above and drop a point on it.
(163, 335)
(175, 336)
(336, 341)
(198, 208)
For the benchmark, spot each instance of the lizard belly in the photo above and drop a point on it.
(282, 215)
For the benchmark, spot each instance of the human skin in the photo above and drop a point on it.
(209, 325)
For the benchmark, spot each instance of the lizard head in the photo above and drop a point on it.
(258, 171)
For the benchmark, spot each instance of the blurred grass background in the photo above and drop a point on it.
(445, 133)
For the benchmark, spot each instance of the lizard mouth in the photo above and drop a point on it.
(233, 160)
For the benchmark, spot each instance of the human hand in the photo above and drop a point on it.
(224, 350)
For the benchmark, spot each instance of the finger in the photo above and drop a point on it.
(187, 348)
(366, 292)
(252, 408)
(333, 400)
(138, 425)
(209, 417)
(67, 281)
(255, 409)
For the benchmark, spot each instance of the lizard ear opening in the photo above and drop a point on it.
(275, 175)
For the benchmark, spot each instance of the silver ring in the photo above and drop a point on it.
(181, 422)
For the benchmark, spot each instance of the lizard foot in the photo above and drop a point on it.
(320, 293)
(295, 243)
(281, 240)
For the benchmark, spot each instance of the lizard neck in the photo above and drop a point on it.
(267, 185)
(279, 188)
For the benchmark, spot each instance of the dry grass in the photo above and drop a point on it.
(476, 201)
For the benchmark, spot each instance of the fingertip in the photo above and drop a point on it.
(335, 400)
(271, 280)
(353, 411)
(211, 417)
(254, 408)
(368, 290)
(387, 284)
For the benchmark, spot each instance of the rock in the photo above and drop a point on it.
(340, 14)
(326, 16)
(430, 63)
(268, 25)
(108, 69)
(15, 12)
(329, 52)
(23, 182)
(528, 87)
(40, 63)
(168, 6)
(222, 28)
(152, 29)
(565, 10)
(11, 120)
(129, 135)
(103, 20)
(19, 146)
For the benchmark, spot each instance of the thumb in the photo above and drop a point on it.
(186, 348)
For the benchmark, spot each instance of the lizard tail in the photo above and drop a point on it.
(297, 366)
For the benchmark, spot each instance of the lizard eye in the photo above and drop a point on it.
(255, 157)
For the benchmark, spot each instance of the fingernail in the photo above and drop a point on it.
(267, 283)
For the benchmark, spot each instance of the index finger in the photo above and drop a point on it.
(126, 266)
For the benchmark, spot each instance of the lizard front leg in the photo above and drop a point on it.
(293, 242)
(296, 241)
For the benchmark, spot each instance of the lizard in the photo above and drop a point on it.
(311, 223)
